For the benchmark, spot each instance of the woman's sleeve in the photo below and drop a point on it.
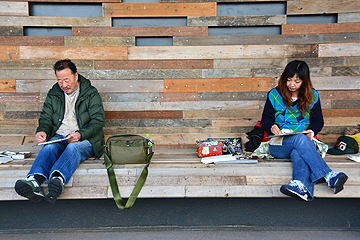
(316, 118)
(268, 117)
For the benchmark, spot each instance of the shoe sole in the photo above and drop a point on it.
(25, 190)
(292, 194)
(55, 188)
(339, 185)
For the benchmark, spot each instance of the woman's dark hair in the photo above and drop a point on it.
(305, 96)
(63, 64)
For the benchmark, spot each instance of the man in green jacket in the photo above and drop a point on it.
(73, 114)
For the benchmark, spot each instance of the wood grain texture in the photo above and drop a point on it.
(144, 115)
(31, 41)
(154, 64)
(266, 39)
(100, 41)
(346, 71)
(231, 21)
(9, 53)
(41, 64)
(11, 31)
(340, 95)
(178, 97)
(139, 31)
(35, 21)
(341, 121)
(348, 17)
(19, 97)
(205, 114)
(218, 85)
(55, 53)
(336, 83)
(321, 28)
(222, 52)
(339, 50)
(7, 85)
(295, 7)
(242, 122)
(14, 8)
(158, 9)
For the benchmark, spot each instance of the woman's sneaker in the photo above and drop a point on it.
(336, 181)
(30, 188)
(55, 188)
(295, 189)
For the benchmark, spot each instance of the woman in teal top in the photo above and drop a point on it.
(294, 105)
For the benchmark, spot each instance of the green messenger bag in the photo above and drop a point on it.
(127, 149)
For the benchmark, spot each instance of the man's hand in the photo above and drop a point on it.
(275, 129)
(74, 137)
(40, 137)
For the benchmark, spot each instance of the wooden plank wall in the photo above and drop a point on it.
(202, 86)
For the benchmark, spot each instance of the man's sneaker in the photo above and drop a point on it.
(30, 188)
(336, 181)
(55, 188)
(295, 189)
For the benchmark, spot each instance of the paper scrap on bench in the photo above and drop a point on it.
(5, 159)
(355, 158)
(226, 159)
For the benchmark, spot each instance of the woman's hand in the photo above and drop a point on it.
(275, 129)
(309, 133)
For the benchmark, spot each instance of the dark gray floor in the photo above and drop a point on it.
(163, 216)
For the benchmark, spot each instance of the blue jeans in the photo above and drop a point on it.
(61, 157)
(308, 165)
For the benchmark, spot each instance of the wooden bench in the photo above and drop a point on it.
(178, 173)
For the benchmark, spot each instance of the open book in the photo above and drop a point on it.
(285, 134)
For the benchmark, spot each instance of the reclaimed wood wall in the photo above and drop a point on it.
(202, 86)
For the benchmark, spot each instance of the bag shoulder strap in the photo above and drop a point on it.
(114, 186)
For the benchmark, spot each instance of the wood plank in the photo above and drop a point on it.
(341, 121)
(7, 85)
(339, 113)
(100, 41)
(55, 53)
(42, 64)
(178, 97)
(295, 7)
(39, 21)
(154, 64)
(266, 39)
(14, 8)
(144, 115)
(19, 97)
(142, 74)
(346, 71)
(242, 122)
(11, 31)
(218, 85)
(336, 83)
(250, 63)
(231, 21)
(15, 115)
(348, 17)
(339, 50)
(131, 97)
(233, 96)
(31, 41)
(11, 140)
(340, 95)
(159, 122)
(191, 105)
(209, 114)
(27, 74)
(139, 31)
(345, 104)
(325, 28)
(231, 1)
(69, 1)
(158, 9)
(102, 86)
(9, 53)
(222, 52)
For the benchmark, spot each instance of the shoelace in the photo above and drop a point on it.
(298, 184)
(331, 175)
